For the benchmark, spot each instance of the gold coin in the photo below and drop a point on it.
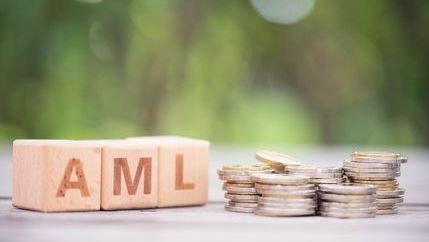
(271, 157)
(256, 167)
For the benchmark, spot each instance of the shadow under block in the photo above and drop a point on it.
(56, 175)
(183, 165)
(129, 176)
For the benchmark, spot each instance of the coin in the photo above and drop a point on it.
(283, 212)
(279, 179)
(346, 198)
(387, 211)
(351, 188)
(275, 158)
(235, 184)
(372, 209)
(282, 200)
(392, 193)
(244, 205)
(390, 200)
(375, 156)
(353, 164)
(372, 170)
(284, 187)
(236, 178)
(239, 209)
(370, 176)
(285, 194)
(239, 190)
(392, 182)
(325, 180)
(241, 197)
(347, 215)
(347, 205)
(318, 175)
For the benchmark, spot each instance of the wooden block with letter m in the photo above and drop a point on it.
(129, 176)
(56, 175)
(182, 169)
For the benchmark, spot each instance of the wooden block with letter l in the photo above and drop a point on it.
(56, 175)
(183, 165)
(129, 176)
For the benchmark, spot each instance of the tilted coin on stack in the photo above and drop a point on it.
(284, 195)
(380, 169)
(347, 200)
(239, 188)
(319, 175)
(278, 161)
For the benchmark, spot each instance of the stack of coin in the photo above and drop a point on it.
(284, 195)
(380, 169)
(319, 175)
(239, 188)
(278, 161)
(347, 200)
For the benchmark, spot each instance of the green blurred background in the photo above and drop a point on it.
(351, 72)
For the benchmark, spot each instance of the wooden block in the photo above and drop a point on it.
(182, 170)
(56, 175)
(129, 176)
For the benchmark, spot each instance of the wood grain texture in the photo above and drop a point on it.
(129, 176)
(56, 175)
(182, 170)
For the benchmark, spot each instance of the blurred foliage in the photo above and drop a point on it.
(352, 72)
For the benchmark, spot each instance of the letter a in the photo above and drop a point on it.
(122, 164)
(79, 184)
(180, 184)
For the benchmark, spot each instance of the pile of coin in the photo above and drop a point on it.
(380, 169)
(347, 200)
(284, 195)
(319, 175)
(239, 188)
(277, 161)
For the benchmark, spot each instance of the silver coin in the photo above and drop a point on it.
(391, 193)
(348, 188)
(238, 184)
(239, 190)
(239, 209)
(283, 200)
(241, 198)
(282, 212)
(347, 215)
(296, 193)
(284, 188)
(318, 175)
(243, 205)
(314, 169)
(346, 198)
(325, 180)
(289, 205)
(279, 179)
(353, 164)
(387, 211)
(372, 175)
(236, 178)
(348, 210)
(347, 205)
(389, 200)
(372, 170)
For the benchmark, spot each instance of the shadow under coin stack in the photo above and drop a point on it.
(347, 200)
(239, 188)
(380, 169)
(284, 195)
(278, 161)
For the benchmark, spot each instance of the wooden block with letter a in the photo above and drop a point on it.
(129, 175)
(182, 170)
(56, 175)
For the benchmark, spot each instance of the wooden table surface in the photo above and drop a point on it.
(212, 223)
